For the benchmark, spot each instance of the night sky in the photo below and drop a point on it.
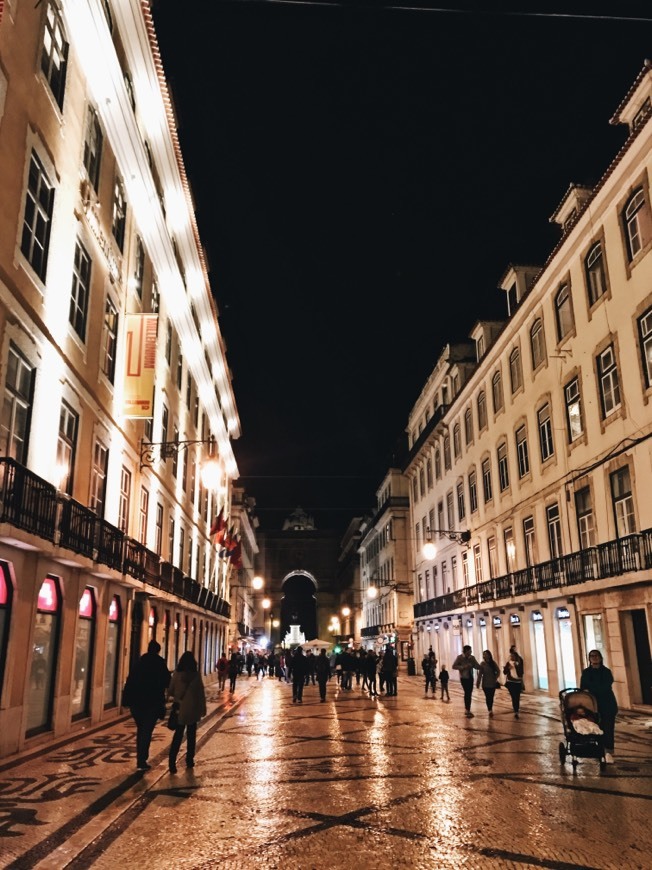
(363, 176)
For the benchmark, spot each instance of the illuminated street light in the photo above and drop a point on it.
(429, 550)
(346, 611)
(257, 583)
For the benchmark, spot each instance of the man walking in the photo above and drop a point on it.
(144, 694)
(465, 663)
(299, 671)
(323, 673)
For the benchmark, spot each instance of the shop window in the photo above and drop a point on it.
(44, 657)
(5, 614)
(84, 642)
(112, 650)
(152, 622)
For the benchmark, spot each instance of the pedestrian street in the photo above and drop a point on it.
(396, 782)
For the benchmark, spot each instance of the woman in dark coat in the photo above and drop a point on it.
(187, 691)
(598, 680)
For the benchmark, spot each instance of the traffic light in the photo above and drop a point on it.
(337, 649)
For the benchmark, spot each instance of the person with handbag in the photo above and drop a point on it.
(186, 692)
(144, 694)
(488, 674)
(513, 671)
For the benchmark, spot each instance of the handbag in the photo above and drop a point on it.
(173, 718)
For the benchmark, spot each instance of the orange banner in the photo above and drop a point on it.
(140, 365)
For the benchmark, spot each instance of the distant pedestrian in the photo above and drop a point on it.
(187, 690)
(299, 670)
(322, 672)
(371, 671)
(222, 670)
(488, 678)
(598, 680)
(465, 663)
(429, 674)
(513, 671)
(234, 670)
(250, 658)
(144, 694)
(443, 682)
(389, 669)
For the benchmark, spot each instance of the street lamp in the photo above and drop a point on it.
(257, 583)
(152, 451)
(429, 549)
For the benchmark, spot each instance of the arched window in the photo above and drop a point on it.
(537, 343)
(636, 216)
(596, 278)
(515, 372)
(482, 411)
(43, 665)
(497, 392)
(84, 641)
(563, 312)
(112, 650)
(468, 426)
(437, 464)
(152, 622)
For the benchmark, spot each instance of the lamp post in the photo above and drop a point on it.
(429, 549)
(153, 451)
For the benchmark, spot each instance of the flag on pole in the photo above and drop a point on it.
(219, 523)
(236, 555)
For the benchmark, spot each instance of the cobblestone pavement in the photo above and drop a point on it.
(396, 782)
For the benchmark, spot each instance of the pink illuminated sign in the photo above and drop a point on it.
(114, 609)
(87, 604)
(47, 597)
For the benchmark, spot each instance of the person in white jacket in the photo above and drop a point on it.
(187, 691)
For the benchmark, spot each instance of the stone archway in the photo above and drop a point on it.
(299, 603)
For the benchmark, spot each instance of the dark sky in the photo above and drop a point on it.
(363, 175)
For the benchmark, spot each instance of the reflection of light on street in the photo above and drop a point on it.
(379, 759)
(261, 748)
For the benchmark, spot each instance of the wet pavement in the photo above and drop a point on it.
(404, 781)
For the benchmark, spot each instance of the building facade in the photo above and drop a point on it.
(537, 446)
(112, 370)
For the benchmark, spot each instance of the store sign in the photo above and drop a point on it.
(140, 365)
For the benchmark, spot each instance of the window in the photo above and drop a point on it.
(171, 539)
(179, 370)
(563, 312)
(143, 511)
(468, 426)
(596, 279)
(168, 343)
(93, 141)
(80, 293)
(155, 301)
(455, 384)
(124, 500)
(429, 473)
(158, 530)
(545, 432)
(473, 492)
(54, 56)
(165, 422)
(482, 411)
(477, 561)
(109, 340)
(503, 468)
(530, 542)
(522, 452)
(422, 482)
(510, 549)
(497, 392)
(538, 344)
(450, 511)
(437, 464)
(16, 407)
(554, 530)
(139, 268)
(515, 372)
(119, 220)
(447, 452)
(623, 502)
(129, 86)
(37, 221)
(479, 347)
(99, 469)
(461, 508)
(638, 227)
(608, 381)
(486, 480)
(465, 568)
(457, 441)
(492, 552)
(175, 455)
(67, 446)
(645, 340)
(585, 519)
(188, 390)
(573, 409)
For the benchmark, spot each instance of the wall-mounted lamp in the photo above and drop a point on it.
(153, 451)
(459, 537)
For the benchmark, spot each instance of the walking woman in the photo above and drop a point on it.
(598, 680)
(513, 671)
(187, 691)
(488, 674)
(234, 670)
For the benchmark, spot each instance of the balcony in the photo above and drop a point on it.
(29, 503)
(611, 559)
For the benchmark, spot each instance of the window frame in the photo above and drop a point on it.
(538, 344)
(564, 315)
(544, 425)
(595, 272)
(608, 381)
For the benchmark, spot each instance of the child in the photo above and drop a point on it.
(443, 679)
(583, 721)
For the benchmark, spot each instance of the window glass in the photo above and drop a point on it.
(84, 635)
(486, 480)
(16, 407)
(109, 339)
(54, 55)
(37, 220)
(645, 339)
(554, 530)
(5, 611)
(522, 451)
(482, 410)
(563, 312)
(93, 141)
(637, 223)
(99, 469)
(67, 447)
(503, 468)
(545, 433)
(573, 409)
(538, 343)
(608, 380)
(473, 492)
(515, 373)
(44, 657)
(623, 502)
(585, 519)
(119, 221)
(112, 651)
(595, 273)
(468, 426)
(497, 392)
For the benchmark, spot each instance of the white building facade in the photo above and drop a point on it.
(112, 370)
(537, 444)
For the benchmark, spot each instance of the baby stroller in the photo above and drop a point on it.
(581, 721)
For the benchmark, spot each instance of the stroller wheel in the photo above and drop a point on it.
(562, 753)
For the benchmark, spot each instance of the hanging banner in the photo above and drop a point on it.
(140, 364)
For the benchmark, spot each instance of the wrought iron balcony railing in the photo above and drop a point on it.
(610, 559)
(32, 504)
